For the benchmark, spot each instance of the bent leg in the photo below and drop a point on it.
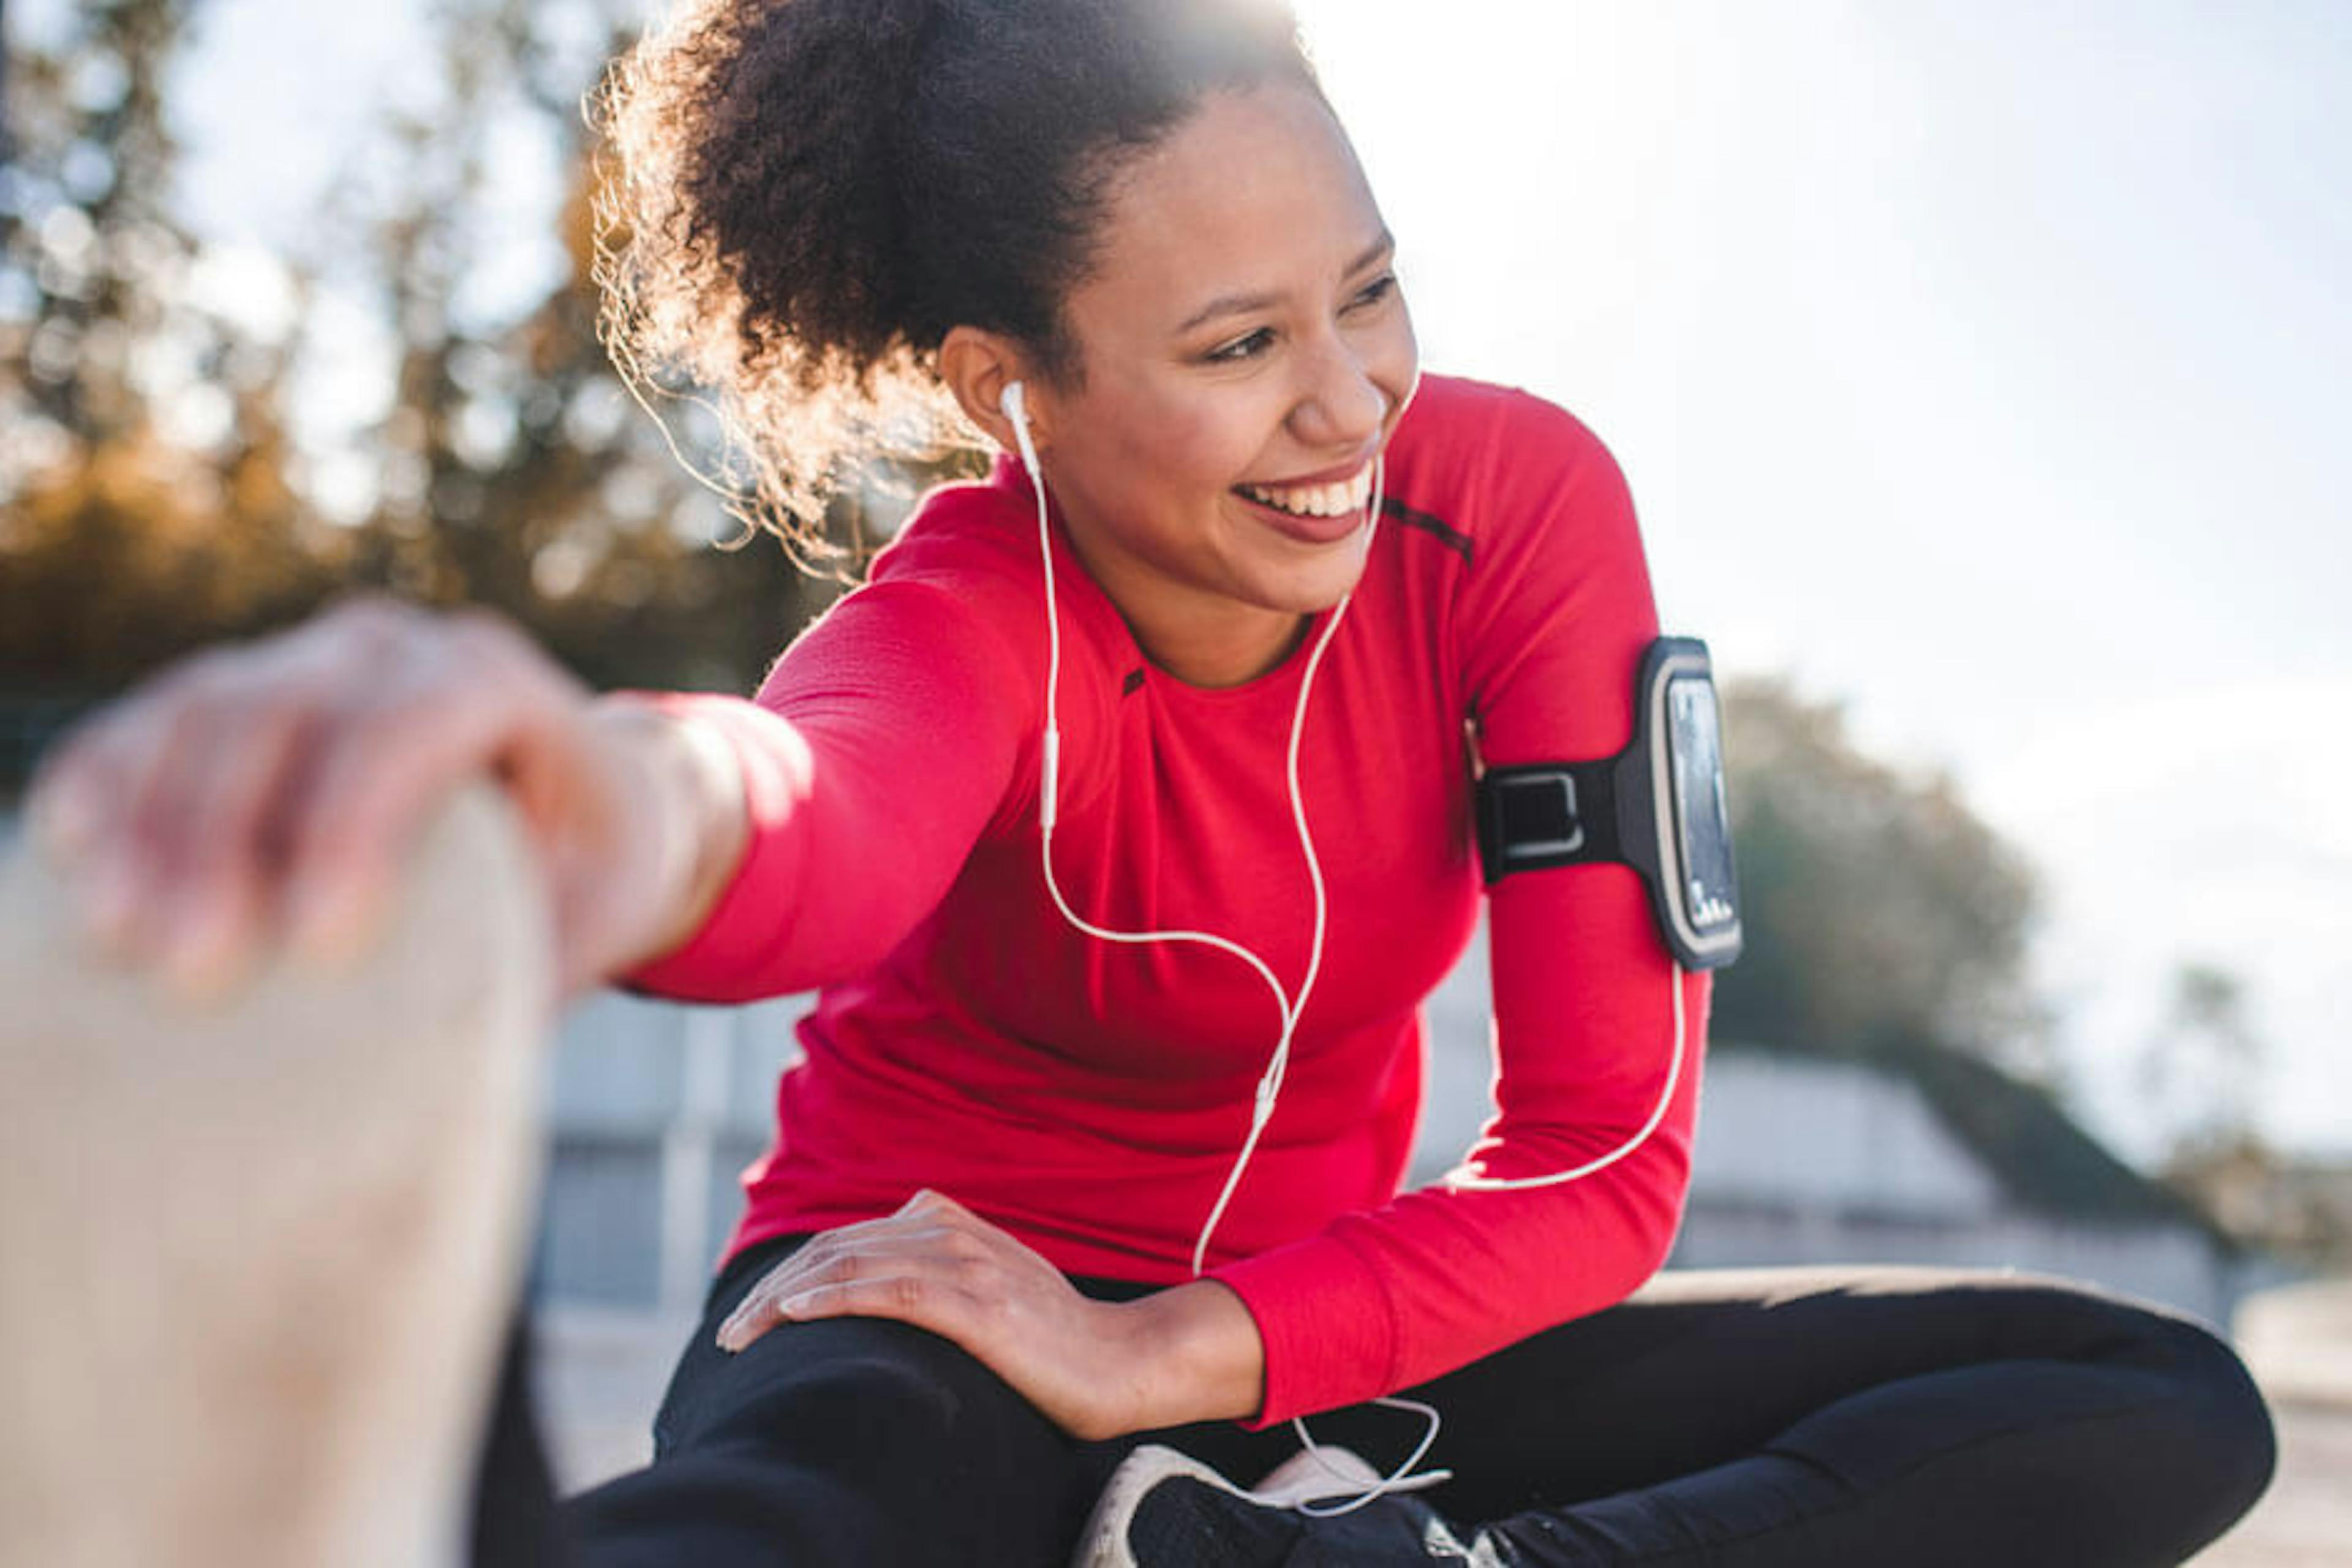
(1770, 1416)
(849, 1441)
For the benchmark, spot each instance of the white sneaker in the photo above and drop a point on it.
(1112, 1539)
(1166, 1510)
(1324, 1473)
(259, 1254)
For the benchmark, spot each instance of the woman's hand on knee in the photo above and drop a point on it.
(260, 795)
(1085, 1364)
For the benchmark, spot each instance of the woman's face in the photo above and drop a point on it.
(1244, 356)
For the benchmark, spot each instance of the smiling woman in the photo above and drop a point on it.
(1245, 357)
(1123, 820)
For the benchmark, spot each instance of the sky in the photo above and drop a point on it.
(1980, 365)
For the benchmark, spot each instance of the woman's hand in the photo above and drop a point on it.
(1096, 1369)
(261, 796)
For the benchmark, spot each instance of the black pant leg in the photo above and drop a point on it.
(1770, 1416)
(850, 1441)
(869, 1442)
(1738, 1418)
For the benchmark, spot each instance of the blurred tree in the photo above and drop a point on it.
(512, 470)
(4, 88)
(2201, 1072)
(2205, 1063)
(2203, 1066)
(157, 489)
(1881, 914)
(143, 499)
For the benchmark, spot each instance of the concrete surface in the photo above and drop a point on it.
(2298, 1341)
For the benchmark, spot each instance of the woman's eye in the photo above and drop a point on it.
(1378, 289)
(1249, 347)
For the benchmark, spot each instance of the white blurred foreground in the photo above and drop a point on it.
(261, 1252)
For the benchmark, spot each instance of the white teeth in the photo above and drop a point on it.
(1316, 501)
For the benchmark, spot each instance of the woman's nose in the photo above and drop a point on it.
(1340, 403)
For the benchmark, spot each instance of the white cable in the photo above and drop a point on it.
(1270, 1087)
(1463, 1179)
(1401, 1479)
(1270, 1084)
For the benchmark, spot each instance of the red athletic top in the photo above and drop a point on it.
(1090, 1097)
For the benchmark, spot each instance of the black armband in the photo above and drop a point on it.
(1658, 806)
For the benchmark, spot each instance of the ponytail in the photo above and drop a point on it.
(800, 198)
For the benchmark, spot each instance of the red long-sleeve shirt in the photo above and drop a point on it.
(1090, 1097)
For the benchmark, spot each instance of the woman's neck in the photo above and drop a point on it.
(1250, 643)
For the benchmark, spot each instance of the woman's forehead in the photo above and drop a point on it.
(1257, 193)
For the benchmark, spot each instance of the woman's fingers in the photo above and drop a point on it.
(117, 777)
(214, 916)
(912, 1286)
(74, 810)
(936, 1265)
(267, 791)
(931, 1259)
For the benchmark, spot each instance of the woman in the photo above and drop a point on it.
(1124, 819)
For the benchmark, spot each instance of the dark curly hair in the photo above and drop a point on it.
(801, 197)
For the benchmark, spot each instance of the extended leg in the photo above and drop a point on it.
(259, 1253)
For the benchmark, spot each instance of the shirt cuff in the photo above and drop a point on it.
(1324, 1316)
(735, 949)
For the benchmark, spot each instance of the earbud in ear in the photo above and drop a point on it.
(1013, 400)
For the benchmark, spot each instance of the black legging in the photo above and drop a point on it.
(1731, 1418)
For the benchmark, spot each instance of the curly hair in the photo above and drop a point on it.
(803, 196)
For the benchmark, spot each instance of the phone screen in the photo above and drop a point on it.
(1702, 815)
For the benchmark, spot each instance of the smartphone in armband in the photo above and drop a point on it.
(1659, 806)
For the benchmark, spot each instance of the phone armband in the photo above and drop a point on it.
(1658, 805)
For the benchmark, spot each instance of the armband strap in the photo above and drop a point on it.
(1657, 806)
(1547, 814)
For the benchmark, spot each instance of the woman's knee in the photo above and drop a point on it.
(945, 1456)
(2229, 1436)
(2210, 1430)
(854, 1389)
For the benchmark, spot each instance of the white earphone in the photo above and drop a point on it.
(1013, 403)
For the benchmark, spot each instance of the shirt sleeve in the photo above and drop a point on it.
(1551, 619)
(877, 753)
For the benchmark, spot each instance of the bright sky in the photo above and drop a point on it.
(1982, 363)
(1979, 361)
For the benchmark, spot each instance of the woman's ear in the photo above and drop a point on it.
(977, 366)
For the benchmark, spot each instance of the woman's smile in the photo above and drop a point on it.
(1312, 513)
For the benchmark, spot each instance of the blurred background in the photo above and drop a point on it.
(1979, 372)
